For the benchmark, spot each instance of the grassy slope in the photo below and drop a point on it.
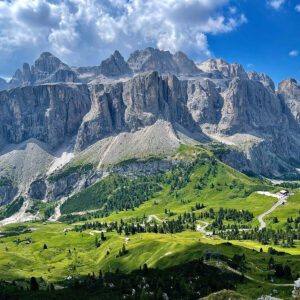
(56, 263)
(219, 196)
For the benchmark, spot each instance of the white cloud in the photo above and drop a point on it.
(297, 8)
(276, 4)
(82, 31)
(294, 53)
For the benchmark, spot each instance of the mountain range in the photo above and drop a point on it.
(54, 117)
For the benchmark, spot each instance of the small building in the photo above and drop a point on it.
(284, 192)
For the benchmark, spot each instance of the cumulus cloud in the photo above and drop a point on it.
(276, 4)
(294, 53)
(297, 8)
(86, 31)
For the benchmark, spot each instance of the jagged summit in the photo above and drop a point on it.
(164, 62)
(46, 69)
(213, 101)
(263, 78)
(49, 63)
(115, 65)
(220, 68)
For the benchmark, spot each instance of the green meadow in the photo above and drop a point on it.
(56, 252)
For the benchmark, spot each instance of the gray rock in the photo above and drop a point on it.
(134, 104)
(120, 116)
(3, 84)
(115, 65)
(263, 78)
(163, 62)
(7, 191)
(38, 189)
(184, 64)
(221, 69)
(49, 113)
(248, 105)
(46, 69)
(289, 91)
(204, 101)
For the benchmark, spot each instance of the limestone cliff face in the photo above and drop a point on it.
(133, 104)
(3, 84)
(7, 191)
(248, 105)
(289, 91)
(166, 102)
(48, 113)
(263, 78)
(204, 101)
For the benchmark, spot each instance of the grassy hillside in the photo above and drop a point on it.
(157, 221)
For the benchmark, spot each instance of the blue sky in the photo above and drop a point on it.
(262, 35)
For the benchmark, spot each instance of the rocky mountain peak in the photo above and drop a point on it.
(115, 65)
(49, 63)
(151, 59)
(263, 78)
(220, 68)
(46, 69)
(288, 84)
(184, 64)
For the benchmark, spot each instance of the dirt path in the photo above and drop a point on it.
(221, 265)
(202, 228)
(150, 217)
(96, 231)
(281, 200)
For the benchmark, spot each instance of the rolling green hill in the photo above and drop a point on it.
(201, 209)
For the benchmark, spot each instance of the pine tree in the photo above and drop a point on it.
(34, 286)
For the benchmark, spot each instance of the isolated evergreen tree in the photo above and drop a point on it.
(34, 286)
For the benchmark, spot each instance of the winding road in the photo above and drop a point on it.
(281, 200)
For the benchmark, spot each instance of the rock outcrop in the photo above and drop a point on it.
(7, 191)
(289, 91)
(3, 84)
(263, 78)
(218, 68)
(132, 105)
(48, 113)
(115, 65)
(147, 106)
(46, 69)
(249, 106)
(163, 62)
